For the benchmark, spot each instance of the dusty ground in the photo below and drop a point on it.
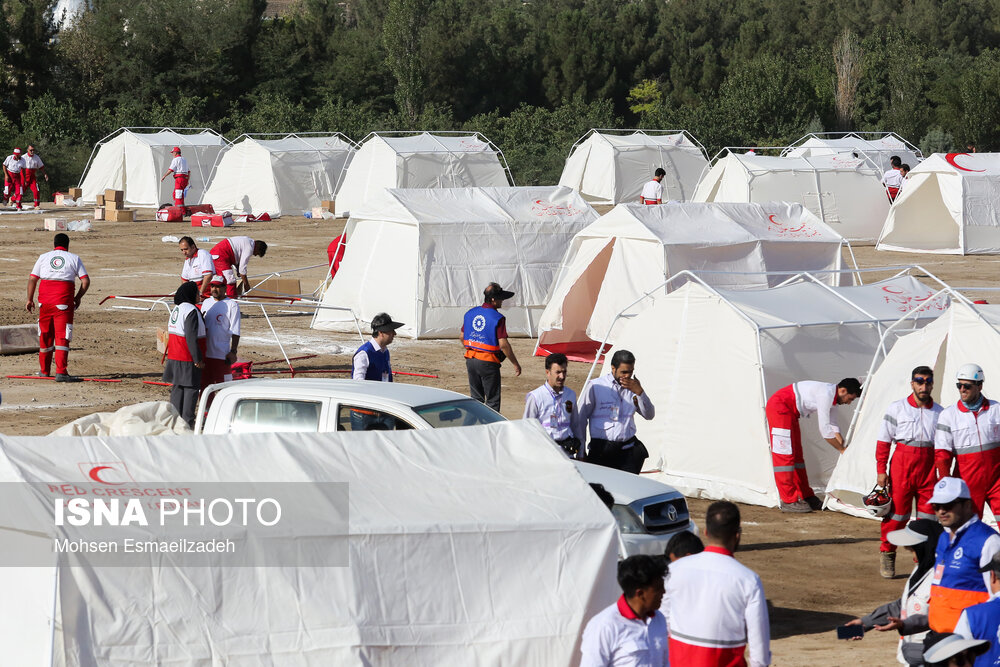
(818, 570)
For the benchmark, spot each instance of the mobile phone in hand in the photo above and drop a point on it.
(850, 631)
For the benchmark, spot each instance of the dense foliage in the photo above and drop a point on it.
(533, 75)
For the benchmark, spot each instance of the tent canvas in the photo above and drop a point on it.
(279, 176)
(610, 167)
(949, 205)
(425, 256)
(504, 564)
(635, 248)
(425, 160)
(746, 345)
(962, 334)
(133, 160)
(842, 191)
(879, 147)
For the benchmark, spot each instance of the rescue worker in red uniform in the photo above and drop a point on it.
(182, 175)
(55, 275)
(32, 164)
(186, 347)
(908, 427)
(231, 258)
(13, 165)
(783, 410)
(968, 433)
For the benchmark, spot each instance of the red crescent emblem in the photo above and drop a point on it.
(950, 158)
(772, 220)
(95, 475)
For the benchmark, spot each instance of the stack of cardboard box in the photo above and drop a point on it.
(113, 207)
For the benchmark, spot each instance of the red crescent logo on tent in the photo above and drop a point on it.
(950, 158)
(771, 218)
(96, 476)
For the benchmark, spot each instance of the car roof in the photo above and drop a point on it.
(397, 392)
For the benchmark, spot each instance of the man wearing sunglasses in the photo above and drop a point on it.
(968, 434)
(908, 426)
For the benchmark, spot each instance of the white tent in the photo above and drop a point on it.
(635, 248)
(468, 546)
(280, 176)
(133, 159)
(962, 334)
(709, 360)
(424, 160)
(879, 147)
(844, 192)
(950, 204)
(610, 167)
(426, 255)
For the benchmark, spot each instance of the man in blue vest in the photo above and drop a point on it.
(371, 360)
(484, 335)
(982, 621)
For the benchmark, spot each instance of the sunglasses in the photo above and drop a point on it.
(944, 506)
(922, 380)
(964, 385)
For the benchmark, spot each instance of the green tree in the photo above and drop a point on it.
(401, 35)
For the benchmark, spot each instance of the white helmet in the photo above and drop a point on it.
(972, 372)
(878, 503)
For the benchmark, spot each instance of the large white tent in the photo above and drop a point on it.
(963, 334)
(950, 204)
(422, 160)
(709, 360)
(471, 546)
(611, 166)
(879, 147)
(281, 175)
(635, 248)
(426, 255)
(133, 159)
(843, 191)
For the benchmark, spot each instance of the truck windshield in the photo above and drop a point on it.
(458, 413)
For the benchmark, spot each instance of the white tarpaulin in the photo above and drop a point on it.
(152, 418)
(467, 546)
(279, 176)
(879, 147)
(961, 335)
(134, 160)
(425, 256)
(716, 356)
(950, 204)
(609, 167)
(426, 160)
(843, 191)
(634, 248)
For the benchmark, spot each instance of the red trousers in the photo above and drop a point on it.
(981, 471)
(55, 331)
(28, 181)
(180, 182)
(215, 371)
(786, 447)
(911, 475)
(224, 260)
(12, 187)
(892, 192)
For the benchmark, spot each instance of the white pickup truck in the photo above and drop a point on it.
(648, 512)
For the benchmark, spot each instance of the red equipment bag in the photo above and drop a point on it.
(211, 220)
(199, 208)
(170, 214)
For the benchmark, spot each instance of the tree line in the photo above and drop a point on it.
(532, 75)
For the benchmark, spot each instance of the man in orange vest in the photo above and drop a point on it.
(484, 335)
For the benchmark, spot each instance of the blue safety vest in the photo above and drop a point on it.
(984, 621)
(479, 334)
(378, 362)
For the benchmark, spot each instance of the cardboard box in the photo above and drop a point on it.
(55, 224)
(280, 286)
(317, 212)
(161, 340)
(58, 198)
(327, 204)
(75, 193)
(100, 200)
(113, 205)
(99, 213)
(120, 214)
(114, 195)
(19, 339)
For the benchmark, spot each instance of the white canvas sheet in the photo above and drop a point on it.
(503, 564)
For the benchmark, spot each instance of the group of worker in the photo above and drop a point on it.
(20, 173)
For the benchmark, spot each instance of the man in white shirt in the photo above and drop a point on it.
(222, 329)
(784, 408)
(608, 406)
(715, 606)
(236, 252)
(371, 360)
(554, 405)
(32, 163)
(182, 175)
(652, 191)
(632, 632)
(893, 179)
(198, 266)
(13, 164)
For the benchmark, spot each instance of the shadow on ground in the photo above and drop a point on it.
(764, 546)
(787, 622)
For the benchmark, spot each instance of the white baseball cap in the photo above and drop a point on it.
(951, 646)
(949, 489)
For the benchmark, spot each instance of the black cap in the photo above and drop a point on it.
(494, 291)
(382, 322)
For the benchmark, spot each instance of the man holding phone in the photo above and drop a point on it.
(608, 405)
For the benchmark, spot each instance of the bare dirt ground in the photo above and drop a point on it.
(819, 570)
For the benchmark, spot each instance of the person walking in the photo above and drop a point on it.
(29, 179)
(893, 178)
(784, 408)
(13, 165)
(185, 352)
(967, 434)
(182, 175)
(484, 336)
(715, 606)
(54, 274)
(222, 333)
(554, 405)
(371, 360)
(198, 266)
(908, 429)
(608, 405)
(231, 258)
(652, 191)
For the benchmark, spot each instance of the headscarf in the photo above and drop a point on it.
(186, 293)
(925, 550)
